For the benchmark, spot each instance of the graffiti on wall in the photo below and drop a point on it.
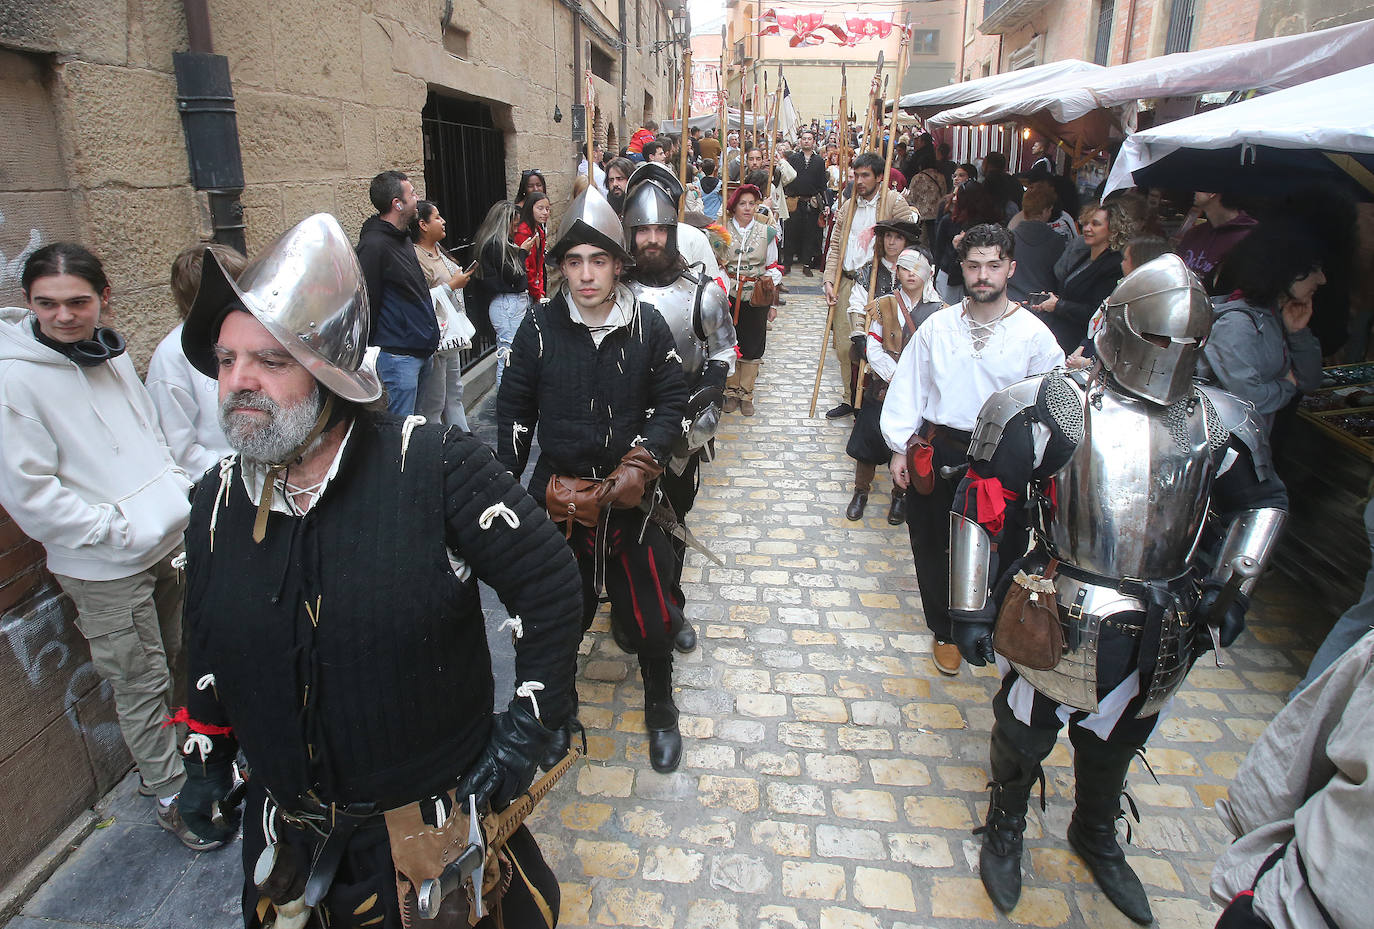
(12, 267)
(38, 633)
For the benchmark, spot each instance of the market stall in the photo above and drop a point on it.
(927, 103)
(1323, 129)
(1090, 108)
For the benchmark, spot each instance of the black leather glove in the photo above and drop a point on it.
(1231, 622)
(505, 769)
(206, 785)
(857, 348)
(714, 375)
(972, 632)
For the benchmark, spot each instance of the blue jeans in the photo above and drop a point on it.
(1352, 625)
(507, 311)
(400, 376)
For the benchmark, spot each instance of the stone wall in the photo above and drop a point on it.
(328, 93)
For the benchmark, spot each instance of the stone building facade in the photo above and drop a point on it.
(459, 95)
(1004, 35)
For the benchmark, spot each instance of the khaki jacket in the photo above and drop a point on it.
(891, 206)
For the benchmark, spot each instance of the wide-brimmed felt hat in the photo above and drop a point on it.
(909, 230)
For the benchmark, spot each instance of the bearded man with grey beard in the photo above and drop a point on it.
(335, 631)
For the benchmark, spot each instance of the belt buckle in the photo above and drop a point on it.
(1075, 609)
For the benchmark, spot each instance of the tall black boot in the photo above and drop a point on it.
(1099, 772)
(999, 861)
(660, 713)
(1016, 753)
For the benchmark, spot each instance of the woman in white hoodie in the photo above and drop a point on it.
(85, 472)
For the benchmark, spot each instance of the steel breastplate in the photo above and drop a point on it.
(676, 303)
(1133, 496)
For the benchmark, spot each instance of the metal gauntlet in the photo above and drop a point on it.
(1253, 535)
(970, 555)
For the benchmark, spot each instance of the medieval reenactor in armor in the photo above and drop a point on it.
(748, 255)
(600, 377)
(1111, 471)
(892, 320)
(335, 633)
(696, 309)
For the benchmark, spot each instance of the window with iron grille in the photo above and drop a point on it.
(1105, 13)
(1180, 35)
(465, 173)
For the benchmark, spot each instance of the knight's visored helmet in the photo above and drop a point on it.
(1153, 328)
(307, 290)
(590, 220)
(651, 197)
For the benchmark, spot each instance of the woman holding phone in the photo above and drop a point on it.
(441, 382)
(530, 236)
(502, 270)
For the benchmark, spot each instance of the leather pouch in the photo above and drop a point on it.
(792, 204)
(920, 464)
(572, 500)
(764, 291)
(1028, 630)
(420, 851)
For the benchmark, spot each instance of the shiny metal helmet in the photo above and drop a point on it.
(307, 290)
(590, 220)
(1152, 330)
(651, 198)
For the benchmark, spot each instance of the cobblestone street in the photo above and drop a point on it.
(830, 777)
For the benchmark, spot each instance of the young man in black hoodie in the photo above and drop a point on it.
(404, 326)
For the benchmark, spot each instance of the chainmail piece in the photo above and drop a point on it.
(1064, 405)
(1217, 433)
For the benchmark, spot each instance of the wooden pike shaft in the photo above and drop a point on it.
(873, 91)
(878, 247)
(683, 144)
(723, 130)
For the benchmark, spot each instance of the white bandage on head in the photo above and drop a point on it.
(914, 260)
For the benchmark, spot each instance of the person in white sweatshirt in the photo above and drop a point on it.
(187, 401)
(84, 471)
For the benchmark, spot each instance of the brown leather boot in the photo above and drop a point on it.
(732, 392)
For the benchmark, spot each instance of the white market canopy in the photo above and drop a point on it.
(927, 103)
(1107, 99)
(712, 121)
(1266, 144)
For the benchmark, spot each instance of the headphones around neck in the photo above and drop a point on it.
(87, 353)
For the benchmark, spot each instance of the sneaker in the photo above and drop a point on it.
(947, 658)
(839, 412)
(169, 818)
(145, 791)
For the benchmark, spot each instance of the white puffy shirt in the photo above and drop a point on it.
(938, 380)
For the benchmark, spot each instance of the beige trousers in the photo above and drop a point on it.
(840, 328)
(133, 626)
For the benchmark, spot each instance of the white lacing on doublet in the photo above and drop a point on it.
(515, 624)
(200, 743)
(407, 428)
(226, 468)
(498, 509)
(527, 690)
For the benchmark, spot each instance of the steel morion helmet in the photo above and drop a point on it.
(307, 290)
(590, 220)
(1153, 328)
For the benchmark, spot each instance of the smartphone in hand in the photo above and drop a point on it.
(1038, 298)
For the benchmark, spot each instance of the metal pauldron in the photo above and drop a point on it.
(1253, 534)
(970, 554)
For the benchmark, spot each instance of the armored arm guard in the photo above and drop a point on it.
(1239, 419)
(1252, 534)
(713, 322)
(970, 560)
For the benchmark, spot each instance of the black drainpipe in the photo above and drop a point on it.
(624, 72)
(205, 100)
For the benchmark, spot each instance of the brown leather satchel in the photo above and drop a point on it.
(764, 291)
(920, 464)
(1028, 630)
(573, 500)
